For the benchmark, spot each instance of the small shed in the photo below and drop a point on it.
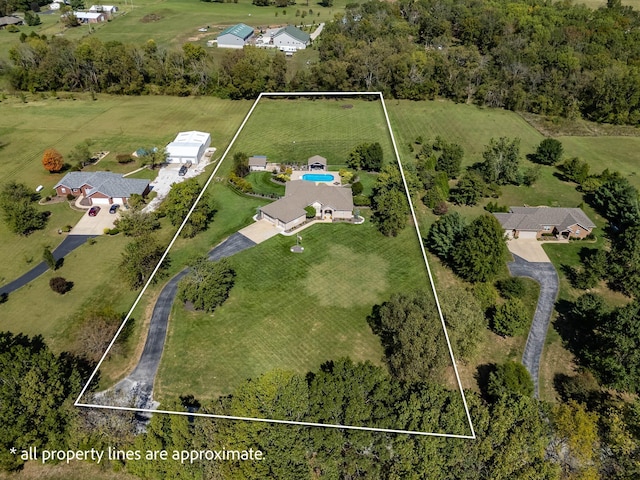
(317, 163)
(258, 163)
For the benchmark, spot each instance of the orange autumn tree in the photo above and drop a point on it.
(52, 160)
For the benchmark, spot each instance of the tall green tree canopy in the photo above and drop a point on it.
(207, 284)
(18, 210)
(501, 161)
(482, 252)
(411, 334)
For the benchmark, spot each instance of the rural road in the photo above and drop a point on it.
(545, 274)
(67, 246)
(136, 389)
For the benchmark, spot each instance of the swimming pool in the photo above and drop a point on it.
(317, 177)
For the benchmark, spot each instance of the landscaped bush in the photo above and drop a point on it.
(124, 158)
(70, 197)
(361, 201)
(357, 188)
(60, 285)
(510, 318)
(240, 183)
(311, 212)
(512, 287)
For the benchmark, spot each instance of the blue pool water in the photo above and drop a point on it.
(317, 177)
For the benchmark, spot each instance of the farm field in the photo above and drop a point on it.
(171, 23)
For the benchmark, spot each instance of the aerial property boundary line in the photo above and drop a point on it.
(472, 436)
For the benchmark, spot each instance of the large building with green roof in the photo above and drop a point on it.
(236, 36)
(291, 39)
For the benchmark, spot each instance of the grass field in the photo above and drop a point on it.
(291, 311)
(294, 130)
(171, 23)
(296, 311)
(116, 124)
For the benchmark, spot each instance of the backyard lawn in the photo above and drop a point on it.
(292, 311)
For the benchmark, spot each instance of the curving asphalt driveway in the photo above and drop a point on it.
(545, 274)
(137, 388)
(67, 246)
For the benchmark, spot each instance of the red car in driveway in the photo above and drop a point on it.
(93, 211)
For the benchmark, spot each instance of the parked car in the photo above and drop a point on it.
(93, 211)
(183, 170)
(114, 208)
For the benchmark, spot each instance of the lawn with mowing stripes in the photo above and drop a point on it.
(293, 130)
(292, 311)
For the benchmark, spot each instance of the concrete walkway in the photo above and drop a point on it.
(67, 246)
(545, 274)
(137, 388)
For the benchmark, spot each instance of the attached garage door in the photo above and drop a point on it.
(529, 235)
(99, 201)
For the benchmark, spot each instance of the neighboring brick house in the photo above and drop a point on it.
(329, 201)
(101, 188)
(535, 222)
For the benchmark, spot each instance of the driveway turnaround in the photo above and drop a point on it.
(137, 388)
(67, 246)
(545, 274)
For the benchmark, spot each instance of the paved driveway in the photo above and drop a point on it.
(68, 245)
(545, 274)
(95, 225)
(137, 388)
(528, 249)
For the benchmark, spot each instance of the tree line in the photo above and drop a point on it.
(546, 58)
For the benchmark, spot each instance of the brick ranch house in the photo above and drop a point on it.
(101, 188)
(289, 211)
(536, 222)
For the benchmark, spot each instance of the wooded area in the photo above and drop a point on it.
(536, 56)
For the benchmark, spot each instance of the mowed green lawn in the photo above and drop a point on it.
(294, 130)
(292, 311)
(114, 124)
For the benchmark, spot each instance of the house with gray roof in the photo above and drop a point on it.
(258, 163)
(291, 39)
(236, 36)
(10, 20)
(317, 163)
(536, 222)
(330, 202)
(101, 188)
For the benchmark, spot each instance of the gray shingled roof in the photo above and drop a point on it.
(300, 194)
(109, 184)
(258, 161)
(534, 218)
(317, 159)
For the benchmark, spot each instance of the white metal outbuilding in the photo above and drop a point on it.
(188, 147)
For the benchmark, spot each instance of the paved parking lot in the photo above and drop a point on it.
(95, 225)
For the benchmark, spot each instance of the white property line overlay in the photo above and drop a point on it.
(78, 403)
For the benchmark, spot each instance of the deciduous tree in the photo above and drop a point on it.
(139, 259)
(208, 284)
(52, 160)
(549, 152)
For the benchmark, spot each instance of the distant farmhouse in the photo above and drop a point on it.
(535, 222)
(258, 163)
(10, 20)
(331, 202)
(101, 188)
(108, 9)
(188, 147)
(236, 36)
(91, 17)
(291, 39)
